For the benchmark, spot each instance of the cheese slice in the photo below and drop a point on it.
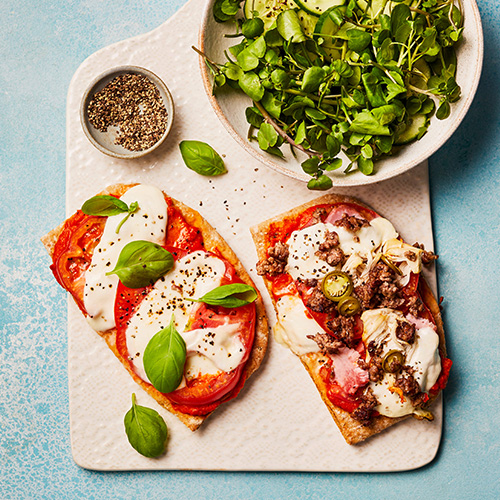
(379, 326)
(209, 350)
(148, 223)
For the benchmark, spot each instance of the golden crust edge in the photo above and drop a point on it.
(212, 240)
(352, 431)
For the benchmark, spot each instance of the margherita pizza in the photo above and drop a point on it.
(153, 265)
(352, 304)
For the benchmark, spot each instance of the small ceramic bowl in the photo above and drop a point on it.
(230, 105)
(105, 141)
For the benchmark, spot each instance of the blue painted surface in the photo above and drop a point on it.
(41, 46)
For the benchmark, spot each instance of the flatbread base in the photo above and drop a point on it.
(212, 241)
(352, 430)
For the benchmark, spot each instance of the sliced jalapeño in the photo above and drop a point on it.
(336, 285)
(391, 264)
(393, 361)
(348, 306)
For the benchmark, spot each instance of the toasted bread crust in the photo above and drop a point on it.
(212, 241)
(352, 430)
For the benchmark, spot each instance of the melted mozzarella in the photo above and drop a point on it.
(221, 345)
(209, 350)
(361, 248)
(148, 223)
(302, 245)
(406, 257)
(294, 325)
(423, 356)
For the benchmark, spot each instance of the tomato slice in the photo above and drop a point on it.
(180, 234)
(283, 285)
(73, 252)
(441, 382)
(202, 394)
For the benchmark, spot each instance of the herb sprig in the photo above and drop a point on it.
(364, 80)
(146, 430)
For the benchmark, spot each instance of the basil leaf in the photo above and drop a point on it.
(202, 158)
(234, 295)
(104, 205)
(164, 359)
(142, 263)
(146, 430)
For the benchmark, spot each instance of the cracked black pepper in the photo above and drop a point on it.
(134, 104)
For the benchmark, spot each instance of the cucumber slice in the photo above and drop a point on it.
(267, 10)
(326, 28)
(317, 7)
(308, 22)
(416, 127)
(377, 7)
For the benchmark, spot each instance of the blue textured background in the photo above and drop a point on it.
(41, 46)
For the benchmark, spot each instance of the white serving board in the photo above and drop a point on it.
(279, 421)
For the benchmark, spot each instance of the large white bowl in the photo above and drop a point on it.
(230, 104)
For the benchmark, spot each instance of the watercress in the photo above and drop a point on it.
(142, 263)
(164, 359)
(146, 430)
(361, 78)
(202, 158)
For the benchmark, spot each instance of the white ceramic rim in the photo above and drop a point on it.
(347, 181)
(156, 80)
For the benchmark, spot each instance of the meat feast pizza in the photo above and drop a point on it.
(352, 304)
(166, 293)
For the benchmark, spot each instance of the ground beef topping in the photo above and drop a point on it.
(427, 257)
(330, 251)
(410, 387)
(276, 262)
(318, 215)
(364, 412)
(415, 305)
(326, 343)
(380, 289)
(407, 383)
(343, 328)
(317, 302)
(351, 223)
(374, 365)
(405, 332)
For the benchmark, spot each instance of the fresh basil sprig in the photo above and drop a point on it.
(164, 359)
(146, 430)
(202, 158)
(234, 295)
(142, 263)
(106, 205)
